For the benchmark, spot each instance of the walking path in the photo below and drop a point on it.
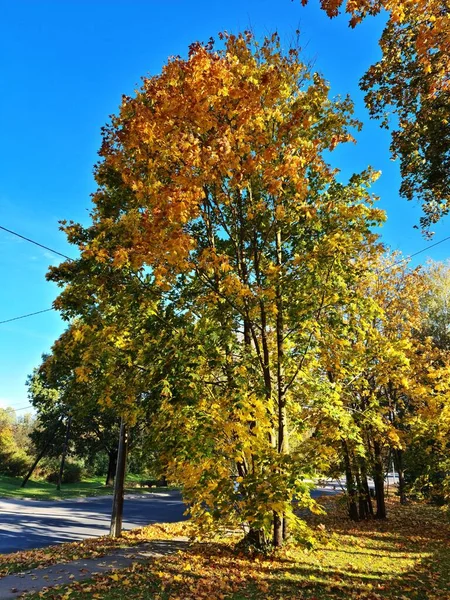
(35, 580)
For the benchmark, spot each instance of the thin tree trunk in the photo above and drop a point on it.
(350, 482)
(280, 531)
(117, 508)
(112, 465)
(362, 502)
(365, 485)
(41, 454)
(398, 462)
(264, 341)
(34, 465)
(277, 530)
(378, 479)
(64, 453)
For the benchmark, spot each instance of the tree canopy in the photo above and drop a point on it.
(409, 90)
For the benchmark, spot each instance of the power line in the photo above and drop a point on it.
(25, 316)
(17, 409)
(428, 247)
(35, 243)
(407, 258)
(27, 239)
(49, 309)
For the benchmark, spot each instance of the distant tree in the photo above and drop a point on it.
(436, 305)
(57, 397)
(14, 445)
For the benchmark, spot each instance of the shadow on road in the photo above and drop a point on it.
(34, 524)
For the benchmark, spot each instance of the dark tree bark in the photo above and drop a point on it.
(64, 453)
(398, 462)
(378, 479)
(280, 531)
(365, 485)
(112, 466)
(119, 484)
(254, 537)
(363, 511)
(277, 530)
(34, 465)
(350, 482)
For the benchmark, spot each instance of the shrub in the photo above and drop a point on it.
(73, 472)
(15, 464)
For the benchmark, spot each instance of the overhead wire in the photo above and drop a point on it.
(28, 315)
(27, 239)
(406, 259)
(31, 241)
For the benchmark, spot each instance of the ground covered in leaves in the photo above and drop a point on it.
(17, 562)
(405, 557)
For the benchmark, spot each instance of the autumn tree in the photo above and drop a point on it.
(427, 454)
(216, 203)
(435, 304)
(14, 445)
(409, 90)
(109, 361)
(380, 377)
(68, 416)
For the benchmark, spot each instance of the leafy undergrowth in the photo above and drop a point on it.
(405, 557)
(89, 548)
(41, 490)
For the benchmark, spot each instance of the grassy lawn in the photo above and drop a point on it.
(41, 490)
(405, 557)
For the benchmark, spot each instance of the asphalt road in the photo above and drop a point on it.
(28, 524)
(34, 523)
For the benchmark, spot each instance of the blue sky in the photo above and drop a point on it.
(64, 66)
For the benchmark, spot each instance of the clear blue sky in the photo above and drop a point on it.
(64, 66)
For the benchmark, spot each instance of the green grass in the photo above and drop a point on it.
(406, 557)
(41, 490)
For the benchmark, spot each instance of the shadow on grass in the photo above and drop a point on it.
(406, 557)
(425, 579)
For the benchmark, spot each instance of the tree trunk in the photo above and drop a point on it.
(64, 453)
(254, 537)
(398, 462)
(378, 479)
(277, 530)
(279, 521)
(34, 465)
(362, 502)
(350, 482)
(41, 454)
(365, 485)
(112, 465)
(119, 484)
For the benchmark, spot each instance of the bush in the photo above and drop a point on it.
(15, 464)
(73, 472)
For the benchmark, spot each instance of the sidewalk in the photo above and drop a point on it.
(12, 586)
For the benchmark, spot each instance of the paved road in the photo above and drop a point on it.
(35, 523)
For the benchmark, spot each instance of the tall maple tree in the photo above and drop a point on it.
(215, 196)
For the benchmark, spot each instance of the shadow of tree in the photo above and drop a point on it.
(404, 558)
